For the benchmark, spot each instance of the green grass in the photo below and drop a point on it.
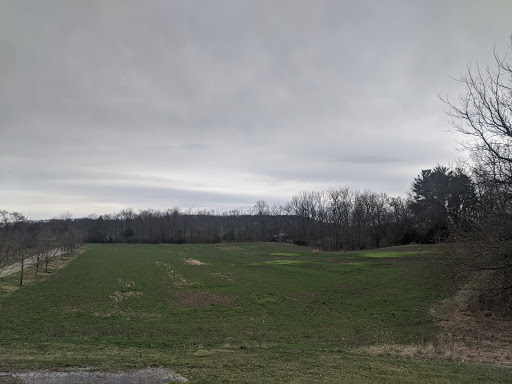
(285, 254)
(250, 313)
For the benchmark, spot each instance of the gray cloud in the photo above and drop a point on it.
(201, 104)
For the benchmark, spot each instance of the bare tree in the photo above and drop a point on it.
(6, 239)
(483, 114)
(340, 208)
(21, 240)
(48, 244)
(302, 209)
(401, 221)
(261, 210)
(277, 222)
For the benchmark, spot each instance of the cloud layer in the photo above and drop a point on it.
(215, 105)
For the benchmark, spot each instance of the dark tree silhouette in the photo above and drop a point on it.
(442, 198)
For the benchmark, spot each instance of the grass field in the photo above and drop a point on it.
(254, 312)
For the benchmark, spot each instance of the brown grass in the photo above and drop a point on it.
(466, 335)
(499, 354)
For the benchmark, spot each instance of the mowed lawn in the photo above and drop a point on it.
(253, 312)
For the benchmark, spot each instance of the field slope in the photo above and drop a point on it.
(255, 312)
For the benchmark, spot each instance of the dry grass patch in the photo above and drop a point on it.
(480, 338)
(466, 335)
(126, 284)
(194, 262)
(483, 352)
(480, 335)
(177, 279)
(120, 296)
(428, 350)
(222, 275)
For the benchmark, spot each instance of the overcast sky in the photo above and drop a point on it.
(209, 104)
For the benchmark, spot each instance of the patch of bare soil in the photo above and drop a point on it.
(200, 299)
(86, 376)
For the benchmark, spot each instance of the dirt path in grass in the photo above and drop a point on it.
(86, 376)
(28, 262)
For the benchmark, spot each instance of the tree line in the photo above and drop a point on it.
(334, 219)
